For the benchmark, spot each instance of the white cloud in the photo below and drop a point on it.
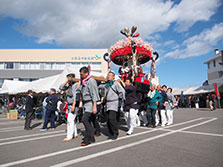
(96, 23)
(155, 44)
(199, 44)
(154, 37)
(168, 43)
(189, 12)
(176, 46)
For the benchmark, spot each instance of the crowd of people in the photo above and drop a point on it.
(89, 102)
(92, 102)
(208, 100)
(12, 102)
(89, 99)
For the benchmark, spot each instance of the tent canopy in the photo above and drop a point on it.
(42, 85)
(10, 86)
(196, 90)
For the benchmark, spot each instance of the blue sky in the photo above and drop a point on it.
(184, 33)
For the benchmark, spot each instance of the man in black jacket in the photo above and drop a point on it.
(51, 107)
(29, 110)
(131, 105)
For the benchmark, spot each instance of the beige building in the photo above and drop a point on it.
(32, 64)
(215, 68)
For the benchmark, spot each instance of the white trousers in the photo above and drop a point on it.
(137, 120)
(196, 105)
(157, 117)
(144, 117)
(163, 117)
(169, 114)
(71, 123)
(132, 119)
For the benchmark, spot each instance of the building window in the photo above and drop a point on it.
(35, 66)
(53, 66)
(220, 74)
(42, 66)
(208, 65)
(2, 66)
(24, 79)
(33, 79)
(24, 66)
(27, 79)
(96, 63)
(48, 66)
(60, 66)
(214, 63)
(9, 65)
(16, 66)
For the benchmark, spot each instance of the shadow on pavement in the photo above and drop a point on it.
(36, 125)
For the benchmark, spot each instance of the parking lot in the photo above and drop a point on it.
(195, 139)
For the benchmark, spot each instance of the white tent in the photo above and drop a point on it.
(177, 91)
(10, 86)
(42, 85)
(39, 86)
(190, 91)
(196, 90)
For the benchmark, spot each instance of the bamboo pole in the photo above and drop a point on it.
(101, 78)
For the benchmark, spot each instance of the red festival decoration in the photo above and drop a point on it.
(130, 53)
(216, 90)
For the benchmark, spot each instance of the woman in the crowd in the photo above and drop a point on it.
(154, 98)
(170, 106)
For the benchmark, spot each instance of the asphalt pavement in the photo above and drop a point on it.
(195, 139)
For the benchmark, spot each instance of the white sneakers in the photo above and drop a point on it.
(130, 131)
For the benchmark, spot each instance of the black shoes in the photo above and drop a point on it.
(87, 142)
(151, 126)
(27, 128)
(97, 134)
(92, 140)
(113, 137)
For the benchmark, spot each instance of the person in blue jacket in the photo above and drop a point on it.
(154, 98)
(51, 107)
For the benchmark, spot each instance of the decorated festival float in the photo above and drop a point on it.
(130, 54)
